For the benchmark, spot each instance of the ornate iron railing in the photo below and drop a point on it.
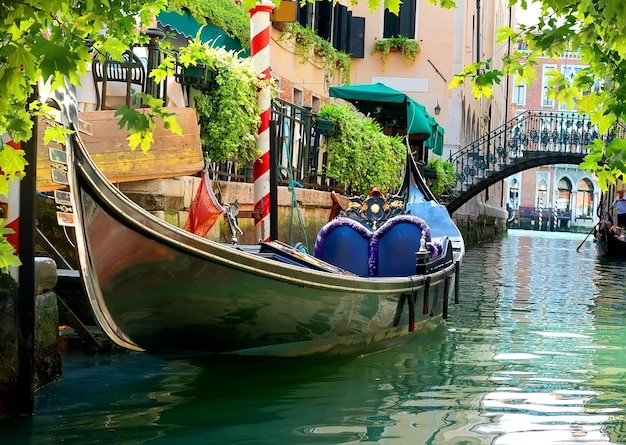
(533, 134)
(299, 158)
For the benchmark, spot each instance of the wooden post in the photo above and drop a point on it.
(260, 52)
(26, 280)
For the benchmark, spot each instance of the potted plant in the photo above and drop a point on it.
(360, 155)
(440, 176)
(325, 126)
(410, 48)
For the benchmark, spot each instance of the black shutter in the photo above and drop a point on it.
(357, 37)
(407, 19)
(303, 13)
(392, 24)
(341, 25)
(323, 18)
(402, 24)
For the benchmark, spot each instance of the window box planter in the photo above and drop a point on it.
(325, 127)
(199, 76)
(410, 48)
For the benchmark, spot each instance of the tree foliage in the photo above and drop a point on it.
(596, 29)
(53, 40)
(360, 155)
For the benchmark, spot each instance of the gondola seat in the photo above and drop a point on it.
(395, 243)
(345, 243)
(389, 251)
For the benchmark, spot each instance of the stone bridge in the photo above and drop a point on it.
(532, 139)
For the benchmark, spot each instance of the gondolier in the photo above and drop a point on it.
(620, 208)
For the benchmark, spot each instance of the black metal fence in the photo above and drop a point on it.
(301, 160)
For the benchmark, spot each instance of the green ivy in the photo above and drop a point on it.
(224, 14)
(360, 155)
(308, 43)
(228, 113)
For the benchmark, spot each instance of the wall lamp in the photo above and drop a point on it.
(437, 108)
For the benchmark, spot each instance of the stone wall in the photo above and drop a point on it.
(46, 351)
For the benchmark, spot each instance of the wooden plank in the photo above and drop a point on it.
(170, 155)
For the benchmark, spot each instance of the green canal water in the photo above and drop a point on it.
(533, 354)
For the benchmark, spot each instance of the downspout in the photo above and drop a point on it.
(507, 101)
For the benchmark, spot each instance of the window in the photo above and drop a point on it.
(569, 72)
(564, 193)
(297, 96)
(514, 194)
(519, 91)
(315, 104)
(402, 24)
(545, 100)
(584, 199)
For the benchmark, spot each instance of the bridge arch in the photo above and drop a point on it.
(540, 158)
(532, 139)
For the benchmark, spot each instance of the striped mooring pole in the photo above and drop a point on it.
(260, 52)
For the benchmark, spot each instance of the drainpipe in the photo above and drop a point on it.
(507, 99)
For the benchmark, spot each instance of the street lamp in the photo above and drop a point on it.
(437, 108)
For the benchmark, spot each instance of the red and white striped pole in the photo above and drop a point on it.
(260, 52)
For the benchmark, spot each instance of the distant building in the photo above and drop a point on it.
(557, 196)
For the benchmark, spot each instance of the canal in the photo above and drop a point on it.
(533, 354)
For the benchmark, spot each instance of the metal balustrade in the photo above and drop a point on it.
(531, 139)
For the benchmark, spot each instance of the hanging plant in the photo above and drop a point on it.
(228, 112)
(410, 48)
(308, 44)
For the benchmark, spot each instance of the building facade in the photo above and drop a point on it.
(562, 196)
(449, 40)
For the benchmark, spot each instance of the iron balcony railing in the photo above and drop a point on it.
(532, 133)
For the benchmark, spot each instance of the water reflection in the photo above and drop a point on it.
(533, 354)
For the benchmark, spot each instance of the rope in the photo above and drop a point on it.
(292, 184)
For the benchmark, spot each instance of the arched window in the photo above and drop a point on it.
(564, 195)
(584, 199)
(542, 195)
(514, 194)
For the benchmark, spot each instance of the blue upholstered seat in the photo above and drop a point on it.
(345, 243)
(387, 252)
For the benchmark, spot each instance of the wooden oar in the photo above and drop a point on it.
(592, 230)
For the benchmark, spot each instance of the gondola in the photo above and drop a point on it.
(381, 272)
(609, 242)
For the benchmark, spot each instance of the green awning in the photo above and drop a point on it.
(435, 141)
(382, 101)
(187, 26)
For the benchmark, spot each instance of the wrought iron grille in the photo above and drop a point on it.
(532, 133)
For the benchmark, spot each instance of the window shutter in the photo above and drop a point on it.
(357, 37)
(341, 28)
(323, 18)
(303, 13)
(402, 24)
(407, 19)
